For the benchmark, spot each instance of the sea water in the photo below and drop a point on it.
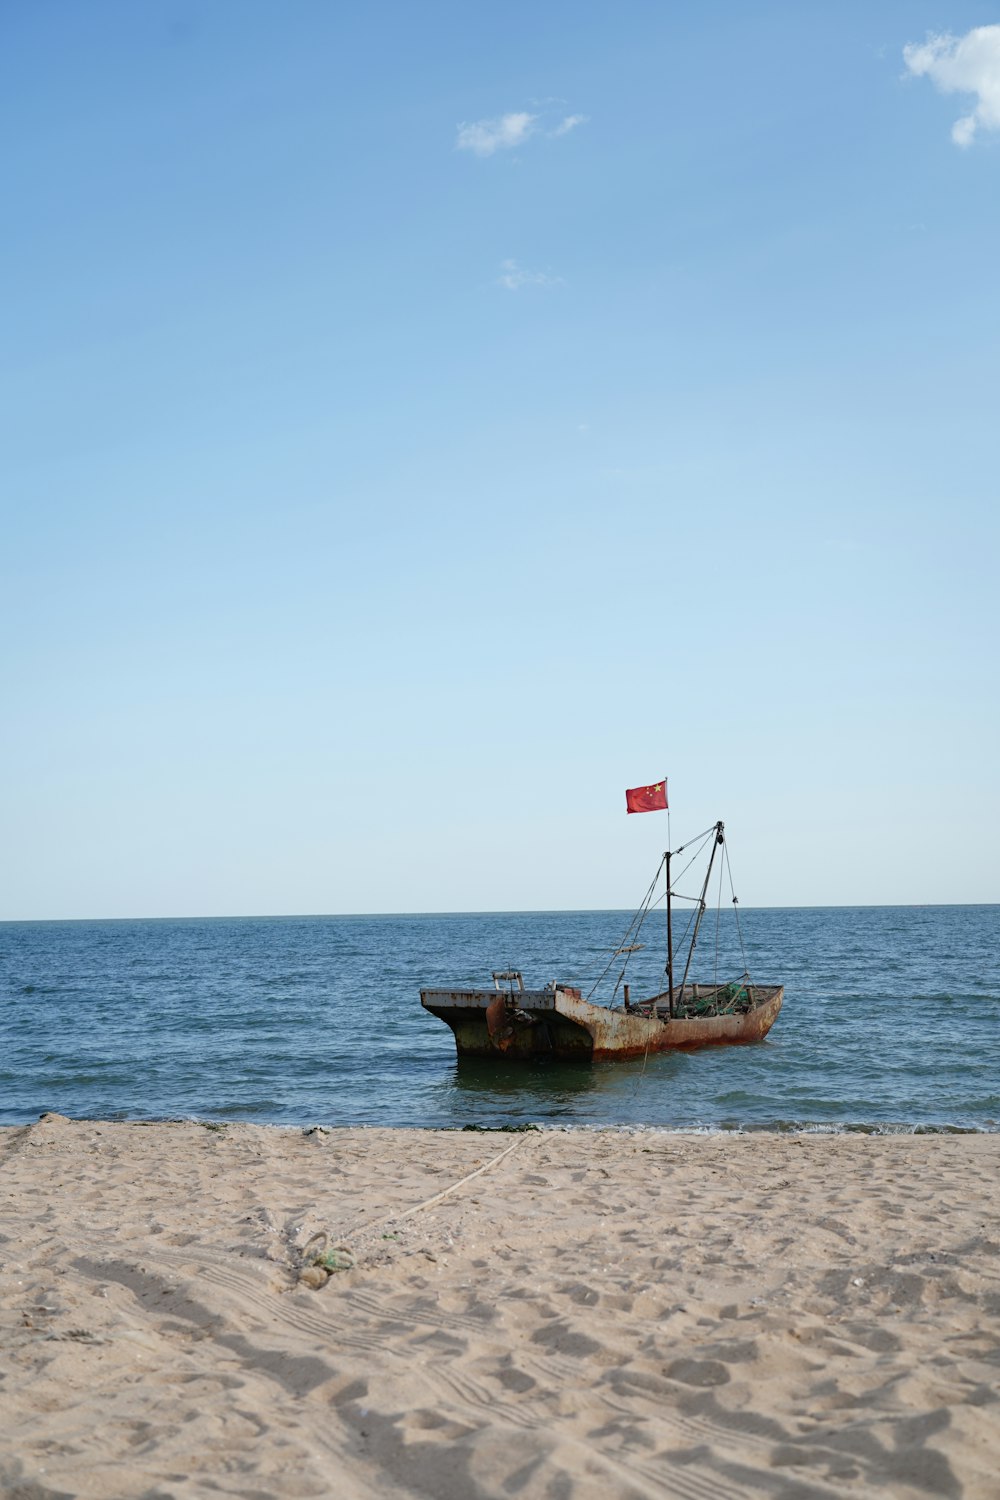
(891, 1020)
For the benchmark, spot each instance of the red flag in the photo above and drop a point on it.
(647, 798)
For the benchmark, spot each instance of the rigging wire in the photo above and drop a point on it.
(704, 834)
(736, 911)
(704, 837)
(636, 923)
(683, 941)
(649, 904)
(704, 840)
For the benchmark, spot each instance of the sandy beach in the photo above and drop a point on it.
(550, 1314)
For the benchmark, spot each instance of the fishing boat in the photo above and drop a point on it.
(512, 1021)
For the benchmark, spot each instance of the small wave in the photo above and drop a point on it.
(792, 1127)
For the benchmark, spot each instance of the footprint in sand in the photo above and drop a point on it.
(700, 1372)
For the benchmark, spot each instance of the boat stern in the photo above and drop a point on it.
(518, 1024)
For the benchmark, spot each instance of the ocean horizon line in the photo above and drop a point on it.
(516, 911)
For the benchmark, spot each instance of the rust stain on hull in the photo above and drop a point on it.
(560, 1024)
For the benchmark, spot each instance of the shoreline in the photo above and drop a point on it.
(886, 1128)
(484, 1313)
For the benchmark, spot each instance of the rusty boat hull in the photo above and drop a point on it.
(558, 1023)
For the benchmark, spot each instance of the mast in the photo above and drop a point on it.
(701, 909)
(670, 940)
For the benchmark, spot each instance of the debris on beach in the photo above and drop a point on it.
(320, 1261)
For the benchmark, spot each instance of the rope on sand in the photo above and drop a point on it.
(494, 1161)
(318, 1263)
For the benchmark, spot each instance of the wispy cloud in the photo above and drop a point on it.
(484, 137)
(570, 123)
(513, 277)
(968, 64)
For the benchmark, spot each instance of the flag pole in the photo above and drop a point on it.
(670, 935)
(670, 928)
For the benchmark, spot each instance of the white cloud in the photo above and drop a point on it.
(513, 277)
(967, 64)
(486, 136)
(570, 123)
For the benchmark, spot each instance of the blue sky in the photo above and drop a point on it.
(422, 422)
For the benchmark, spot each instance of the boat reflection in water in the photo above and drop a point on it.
(500, 1092)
